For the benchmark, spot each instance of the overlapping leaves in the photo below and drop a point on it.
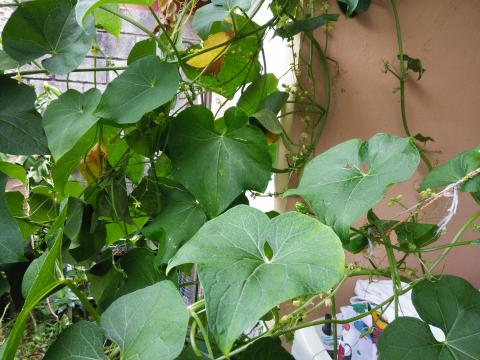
(243, 280)
(449, 303)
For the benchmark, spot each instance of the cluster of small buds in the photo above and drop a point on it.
(426, 194)
(295, 89)
(395, 200)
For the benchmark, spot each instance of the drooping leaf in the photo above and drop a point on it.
(307, 25)
(454, 170)
(338, 187)
(68, 118)
(242, 283)
(108, 21)
(86, 7)
(48, 27)
(179, 220)
(141, 49)
(21, 130)
(266, 349)
(44, 282)
(449, 303)
(274, 102)
(153, 325)
(258, 90)
(144, 86)
(11, 243)
(82, 340)
(232, 162)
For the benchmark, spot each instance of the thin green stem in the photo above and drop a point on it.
(83, 299)
(43, 71)
(446, 246)
(334, 318)
(203, 332)
(403, 78)
(455, 239)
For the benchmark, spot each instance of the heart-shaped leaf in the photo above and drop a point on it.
(21, 130)
(232, 162)
(340, 190)
(248, 264)
(150, 323)
(451, 304)
(68, 118)
(144, 86)
(11, 243)
(456, 169)
(42, 27)
(82, 340)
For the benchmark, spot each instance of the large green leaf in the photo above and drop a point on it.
(178, 221)
(42, 27)
(248, 264)
(11, 243)
(454, 170)
(152, 323)
(451, 304)
(69, 118)
(81, 341)
(231, 162)
(144, 86)
(45, 280)
(86, 7)
(346, 181)
(21, 130)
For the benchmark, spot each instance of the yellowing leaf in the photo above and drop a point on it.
(205, 58)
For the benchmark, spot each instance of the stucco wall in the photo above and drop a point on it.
(444, 104)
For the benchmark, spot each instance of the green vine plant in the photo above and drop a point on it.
(124, 189)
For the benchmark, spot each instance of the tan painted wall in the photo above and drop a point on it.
(444, 104)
